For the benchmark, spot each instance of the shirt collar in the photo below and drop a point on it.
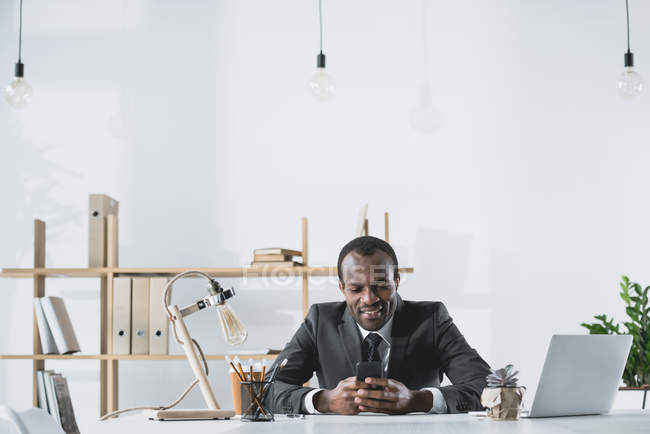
(384, 331)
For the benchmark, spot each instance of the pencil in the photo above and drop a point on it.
(259, 396)
(242, 371)
(236, 371)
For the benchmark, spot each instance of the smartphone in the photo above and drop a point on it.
(369, 369)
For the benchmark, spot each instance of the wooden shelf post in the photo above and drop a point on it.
(108, 369)
(39, 291)
(112, 367)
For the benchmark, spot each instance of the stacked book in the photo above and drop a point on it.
(276, 257)
(54, 326)
(54, 397)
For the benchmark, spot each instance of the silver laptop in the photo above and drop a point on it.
(581, 375)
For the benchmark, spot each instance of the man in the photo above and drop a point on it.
(416, 343)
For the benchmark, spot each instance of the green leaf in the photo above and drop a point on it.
(636, 299)
(625, 297)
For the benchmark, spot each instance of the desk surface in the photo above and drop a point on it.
(622, 422)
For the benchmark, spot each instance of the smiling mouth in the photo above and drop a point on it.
(372, 313)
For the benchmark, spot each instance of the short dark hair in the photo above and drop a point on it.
(366, 246)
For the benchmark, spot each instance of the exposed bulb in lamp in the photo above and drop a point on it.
(233, 330)
(424, 117)
(19, 93)
(630, 83)
(321, 84)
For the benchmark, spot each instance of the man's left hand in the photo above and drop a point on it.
(392, 397)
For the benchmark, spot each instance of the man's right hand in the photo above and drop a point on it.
(340, 400)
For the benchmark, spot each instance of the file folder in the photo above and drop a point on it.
(121, 315)
(111, 241)
(158, 321)
(99, 206)
(140, 316)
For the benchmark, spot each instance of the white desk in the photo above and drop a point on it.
(622, 422)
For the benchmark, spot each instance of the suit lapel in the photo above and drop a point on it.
(350, 339)
(400, 339)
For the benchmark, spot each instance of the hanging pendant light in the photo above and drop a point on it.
(630, 82)
(321, 84)
(19, 92)
(425, 118)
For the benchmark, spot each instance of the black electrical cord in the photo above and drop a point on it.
(20, 33)
(320, 19)
(627, 12)
(320, 59)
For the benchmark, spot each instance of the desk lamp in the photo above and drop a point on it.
(234, 333)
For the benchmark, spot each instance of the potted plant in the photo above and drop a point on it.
(637, 370)
(502, 397)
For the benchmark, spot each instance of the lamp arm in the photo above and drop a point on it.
(167, 292)
(176, 318)
(194, 359)
(210, 300)
(167, 295)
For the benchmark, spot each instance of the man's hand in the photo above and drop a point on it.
(340, 400)
(393, 398)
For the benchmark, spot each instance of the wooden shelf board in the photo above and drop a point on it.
(52, 272)
(215, 272)
(13, 275)
(125, 357)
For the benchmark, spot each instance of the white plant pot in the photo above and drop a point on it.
(630, 400)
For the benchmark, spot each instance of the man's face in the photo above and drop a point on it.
(370, 288)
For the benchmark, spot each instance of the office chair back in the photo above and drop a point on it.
(30, 421)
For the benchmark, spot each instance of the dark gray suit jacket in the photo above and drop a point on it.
(425, 345)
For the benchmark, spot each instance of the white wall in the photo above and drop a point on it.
(520, 214)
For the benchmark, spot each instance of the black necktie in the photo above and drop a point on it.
(371, 347)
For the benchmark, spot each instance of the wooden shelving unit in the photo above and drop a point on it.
(150, 272)
(29, 273)
(108, 363)
(126, 356)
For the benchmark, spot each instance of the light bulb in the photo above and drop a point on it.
(19, 93)
(233, 330)
(321, 85)
(630, 83)
(424, 117)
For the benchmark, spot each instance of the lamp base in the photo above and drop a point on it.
(189, 414)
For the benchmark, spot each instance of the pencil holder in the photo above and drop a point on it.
(235, 387)
(252, 401)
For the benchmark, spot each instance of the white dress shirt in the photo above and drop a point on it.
(439, 404)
